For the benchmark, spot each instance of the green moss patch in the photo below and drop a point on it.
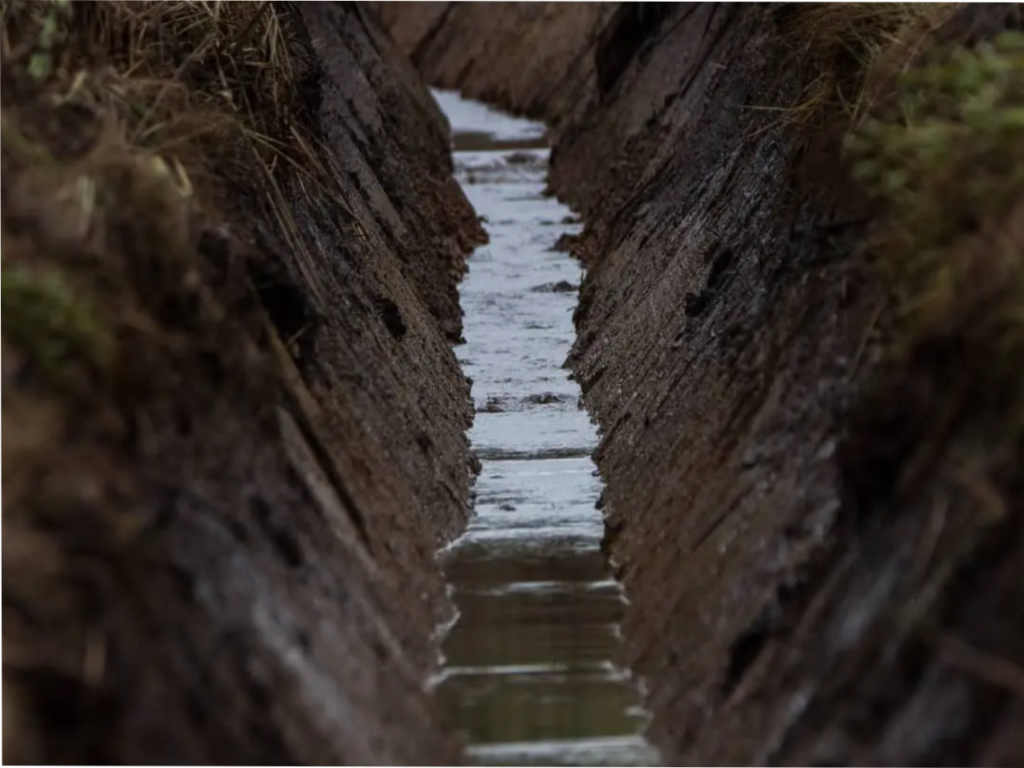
(54, 326)
(945, 159)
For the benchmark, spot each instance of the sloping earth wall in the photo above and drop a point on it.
(233, 561)
(529, 58)
(822, 550)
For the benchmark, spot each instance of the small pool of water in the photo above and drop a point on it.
(530, 676)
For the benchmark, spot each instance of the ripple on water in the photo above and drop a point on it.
(529, 675)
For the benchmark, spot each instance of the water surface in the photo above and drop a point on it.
(529, 673)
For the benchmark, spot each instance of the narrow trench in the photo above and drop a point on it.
(530, 676)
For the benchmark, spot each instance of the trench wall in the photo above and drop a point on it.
(276, 599)
(814, 574)
(529, 58)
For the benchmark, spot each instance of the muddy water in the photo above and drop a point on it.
(530, 675)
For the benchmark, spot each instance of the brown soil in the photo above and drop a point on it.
(530, 58)
(822, 545)
(222, 506)
(798, 552)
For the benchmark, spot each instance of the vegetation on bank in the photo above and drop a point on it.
(946, 158)
(932, 136)
(54, 327)
(129, 129)
(836, 46)
(137, 139)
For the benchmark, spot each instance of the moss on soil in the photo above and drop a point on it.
(45, 317)
(945, 161)
(932, 138)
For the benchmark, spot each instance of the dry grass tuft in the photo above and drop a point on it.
(208, 86)
(834, 46)
(231, 58)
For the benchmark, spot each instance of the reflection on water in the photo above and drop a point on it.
(530, 674)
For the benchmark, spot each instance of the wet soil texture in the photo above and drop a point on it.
(812, 578)
(530, 675)
(236, 523)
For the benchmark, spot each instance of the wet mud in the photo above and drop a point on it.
(821, 549)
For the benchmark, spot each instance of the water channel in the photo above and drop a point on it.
(530, 676)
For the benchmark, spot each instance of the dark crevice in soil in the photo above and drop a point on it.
(621, 39)
(285, 302)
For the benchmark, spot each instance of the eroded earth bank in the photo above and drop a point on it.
(813, 470)
(234, 426)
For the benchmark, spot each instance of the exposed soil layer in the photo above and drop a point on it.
(823, 550)
(226, 554)
(529, 58)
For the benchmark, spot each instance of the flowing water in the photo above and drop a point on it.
(529, 673)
